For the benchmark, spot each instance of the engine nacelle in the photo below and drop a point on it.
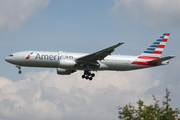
(66, 63)
(61, 71)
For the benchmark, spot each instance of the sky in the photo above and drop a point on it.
(85, 26)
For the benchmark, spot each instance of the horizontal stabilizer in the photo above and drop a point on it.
(161, 59)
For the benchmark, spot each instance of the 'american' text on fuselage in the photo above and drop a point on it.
(52, 57)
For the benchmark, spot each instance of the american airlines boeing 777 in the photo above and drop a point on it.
(67, 63)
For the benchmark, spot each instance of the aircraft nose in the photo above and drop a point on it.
(6, 59)
(9, 58)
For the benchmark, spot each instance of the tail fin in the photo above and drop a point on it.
(155, 50)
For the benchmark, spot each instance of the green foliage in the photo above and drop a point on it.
(151, 112)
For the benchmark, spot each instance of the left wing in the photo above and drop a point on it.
(100, 55)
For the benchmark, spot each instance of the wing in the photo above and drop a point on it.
(100, 55)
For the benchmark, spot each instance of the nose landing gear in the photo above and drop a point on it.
(19, 67)
(88, 75)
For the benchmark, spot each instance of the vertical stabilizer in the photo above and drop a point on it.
(155, 50)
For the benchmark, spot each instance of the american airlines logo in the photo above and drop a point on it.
(52, 57)
(29, 55)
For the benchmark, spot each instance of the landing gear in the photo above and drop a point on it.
(19, 71)
(19, 67)
(88, 75)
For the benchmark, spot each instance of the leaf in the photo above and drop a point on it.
(151, 112)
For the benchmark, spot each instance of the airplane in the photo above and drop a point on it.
(67, 62)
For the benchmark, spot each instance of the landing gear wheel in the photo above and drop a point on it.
(20, 72)
(87, 77)
(86, 72)
(90, 78)
(92, 74)
(83, 76)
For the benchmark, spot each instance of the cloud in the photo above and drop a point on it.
(46, 95)
(14, 14)
(154, 13)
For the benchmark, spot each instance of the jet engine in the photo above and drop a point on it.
(61, 71)
(66, 63)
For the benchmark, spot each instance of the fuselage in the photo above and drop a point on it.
(53, 60)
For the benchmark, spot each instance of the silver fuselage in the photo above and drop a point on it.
(52, 60)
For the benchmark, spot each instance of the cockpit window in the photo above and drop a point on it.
(11, 55)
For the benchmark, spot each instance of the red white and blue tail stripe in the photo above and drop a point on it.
(155, 50)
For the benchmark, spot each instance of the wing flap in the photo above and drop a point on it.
(161, 59)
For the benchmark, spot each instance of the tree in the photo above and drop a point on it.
(151, 112)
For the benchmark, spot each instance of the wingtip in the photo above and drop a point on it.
(173, 56)
(120, 43)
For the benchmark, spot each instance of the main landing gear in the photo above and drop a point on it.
(19, 67)
(88, 75)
